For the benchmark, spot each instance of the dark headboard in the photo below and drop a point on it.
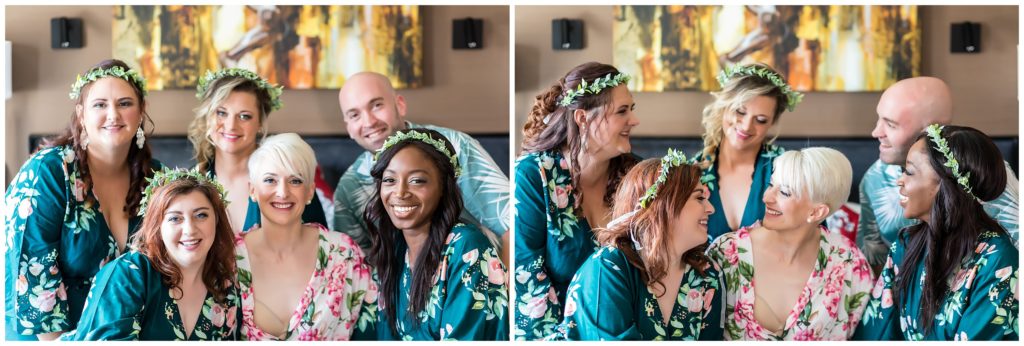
(861, 151)
(334, 153)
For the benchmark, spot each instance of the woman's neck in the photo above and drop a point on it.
(191, 276)
(415, 239)
(232, 164)
(282, 240)
(793, 244)
(593, 170)
(112, 162)
(729, 157)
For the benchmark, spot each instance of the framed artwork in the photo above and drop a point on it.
(817, 48)
(299, 47)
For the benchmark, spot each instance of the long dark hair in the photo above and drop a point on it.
(138, 159)
(957, 219)
(219, 266)
(387, 250)
(550, 126)
(650, 226)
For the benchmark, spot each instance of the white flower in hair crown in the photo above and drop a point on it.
(793, 98)
(935, 135)
(422, 137)
(674, 158)
(594, 87)
(95, 74)
(167, 175)
(210, 77)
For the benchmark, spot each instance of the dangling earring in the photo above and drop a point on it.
(583, 142)
(140, 137)
(85, 141)
(636, 243)
(309, 202)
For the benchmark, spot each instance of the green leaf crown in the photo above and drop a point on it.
(674, 158)
(594, 87)
(793, 97)
(211, 77)
(935, 135)
(167, 175)
(422, 137)
(114, 71)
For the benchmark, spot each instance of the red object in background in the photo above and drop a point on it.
(845, 221)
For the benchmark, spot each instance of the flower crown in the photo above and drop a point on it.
(422, 137)
(210, 77)
(672, 159)
(593, 88)
(793, 98)
(167, 175)
(114, 71)
(935, 135)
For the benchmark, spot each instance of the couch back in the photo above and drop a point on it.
(334, 153)
(862, 152)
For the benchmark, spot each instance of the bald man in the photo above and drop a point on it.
(372, 111)
(904, 110)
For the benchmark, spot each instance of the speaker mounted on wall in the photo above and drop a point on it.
(467, 33)
(965, 38)
(566, 34)
(66, 33)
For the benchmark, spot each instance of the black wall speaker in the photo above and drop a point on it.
(66, 33)
(467, 33)
(965, 38)
(566, 34)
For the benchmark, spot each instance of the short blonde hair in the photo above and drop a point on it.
(823, 174)
(286, 150)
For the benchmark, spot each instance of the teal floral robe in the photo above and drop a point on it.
(129, 301)
(314, 212)
(56, 241)
(469, 300)
(754, 209)
(607, 300)
(982, 302)
(551, 242)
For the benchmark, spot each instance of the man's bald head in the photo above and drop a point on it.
(371, 108)
(905, 109)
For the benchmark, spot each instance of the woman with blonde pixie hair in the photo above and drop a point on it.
(297, 281)
(235, 105)
(650, 280)
(788, 277)
(737, 154)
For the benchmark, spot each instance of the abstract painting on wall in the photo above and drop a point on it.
(299, 47)
(817, 48)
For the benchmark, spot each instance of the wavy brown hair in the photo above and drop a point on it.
(956, 220)
(650, 225)
(219, 267)
(737, 92)
(550, 126)
(199, 130)
(139, 160)
(388, 246)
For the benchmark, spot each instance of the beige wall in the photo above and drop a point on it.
(466, 90)
(984, 85)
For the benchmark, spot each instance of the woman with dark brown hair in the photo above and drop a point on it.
(73, 205)
(178, 283)
(650, 279)
(576, 149)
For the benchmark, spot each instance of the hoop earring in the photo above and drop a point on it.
(140, 137)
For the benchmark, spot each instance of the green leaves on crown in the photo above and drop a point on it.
(167, 175)
(211, 77)
(793, 98)
(422, 137)
(594, 87)
(114, 71)
(935, 135)
(674, 158)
